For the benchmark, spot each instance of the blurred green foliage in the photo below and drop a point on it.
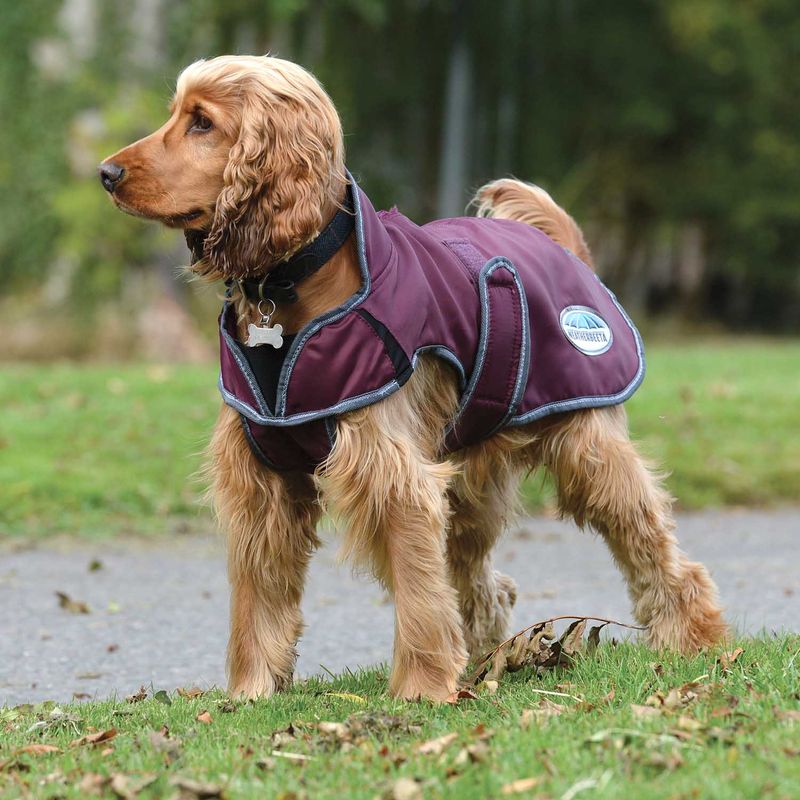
(103, 449)
(646, 119)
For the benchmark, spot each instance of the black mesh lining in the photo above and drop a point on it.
(266, 362)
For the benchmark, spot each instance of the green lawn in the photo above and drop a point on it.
(610, 727)
(98, 450)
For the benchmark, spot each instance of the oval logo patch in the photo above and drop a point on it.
(586, 330)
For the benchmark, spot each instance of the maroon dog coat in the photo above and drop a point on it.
(527, 326)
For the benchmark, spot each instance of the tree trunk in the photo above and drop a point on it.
(454, 149)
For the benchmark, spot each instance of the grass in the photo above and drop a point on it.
(720, 418)
(100, 450)
(733, 732)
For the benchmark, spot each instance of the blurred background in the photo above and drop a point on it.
(669, 128)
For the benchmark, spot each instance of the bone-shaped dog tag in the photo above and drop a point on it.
(258, 335)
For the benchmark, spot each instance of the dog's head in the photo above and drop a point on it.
(251, 159)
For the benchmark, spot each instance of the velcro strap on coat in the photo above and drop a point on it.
(498, 379)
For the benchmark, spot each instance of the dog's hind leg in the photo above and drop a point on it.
(270, 521)
(603, 482)
(482, 498)
(392, 496)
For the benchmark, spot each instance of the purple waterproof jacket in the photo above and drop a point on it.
(528, 327)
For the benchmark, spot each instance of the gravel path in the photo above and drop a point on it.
(158, 611)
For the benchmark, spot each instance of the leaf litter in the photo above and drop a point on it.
(73, 606)
(537, 647)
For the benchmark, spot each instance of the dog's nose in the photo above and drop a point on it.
(110, 175)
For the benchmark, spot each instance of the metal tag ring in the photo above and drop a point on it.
(271, 312)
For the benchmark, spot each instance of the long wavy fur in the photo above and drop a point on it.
(285, 169)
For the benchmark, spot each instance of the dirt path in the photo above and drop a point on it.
(159, 612)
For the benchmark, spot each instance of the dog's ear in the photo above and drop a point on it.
(280, 175)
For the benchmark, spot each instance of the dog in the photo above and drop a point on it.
(250, 164)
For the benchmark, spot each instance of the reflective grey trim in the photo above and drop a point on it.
(525, 361)
(446, 354)
(350, 404)
(241, 361)
(592, 401)
(522, 368)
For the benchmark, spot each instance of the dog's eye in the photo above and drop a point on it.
(200, 124)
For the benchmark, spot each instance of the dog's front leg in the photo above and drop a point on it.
(270, 521)
(393, 501)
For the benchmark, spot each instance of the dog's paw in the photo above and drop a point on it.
(420, 687)
(690, 621)
(489, 617)
(260, 686)
(687, 632)
(506, 591)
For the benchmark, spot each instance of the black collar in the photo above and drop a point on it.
(279, 283)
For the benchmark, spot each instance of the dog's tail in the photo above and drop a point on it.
(508, 198)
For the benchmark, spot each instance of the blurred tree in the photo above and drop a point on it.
(669, 127)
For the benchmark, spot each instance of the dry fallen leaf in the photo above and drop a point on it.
(191, 693)
(92, 784)
(593, 640)
(94, 738)
(536, 646)
(460, 694)
(37, 749)
(404, 789)
(645, 711)
(520, 785)
(516, 653)
(335, 730)
(438, 745)
(499, 665)
(137, 697)
(204, 717)
(541, 714)
(726, 659)
(666, 761)
(472, 754)
(301, 757)
(191, 789)
(128, 788)
(282, 737)
(687, 723)
(73, 606)
(161, 743)
(572, 639)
